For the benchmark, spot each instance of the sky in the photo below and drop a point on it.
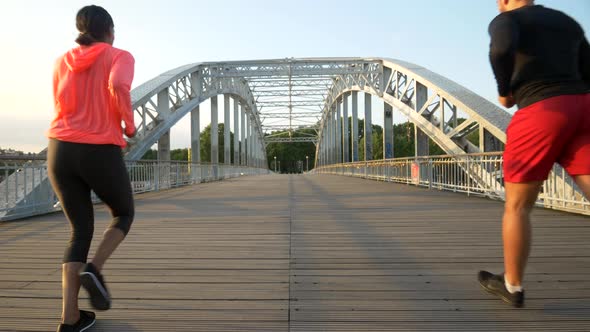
(448, 37)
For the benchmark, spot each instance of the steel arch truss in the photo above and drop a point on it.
(439, 108)
(161, 102)
(433, 103)
(291, 94)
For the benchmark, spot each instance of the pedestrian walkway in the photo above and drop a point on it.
(304, 253)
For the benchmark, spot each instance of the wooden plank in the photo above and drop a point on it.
(398, 258)
(304, 253)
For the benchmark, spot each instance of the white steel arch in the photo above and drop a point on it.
(430, 101)
(289, 94)
(161, 102)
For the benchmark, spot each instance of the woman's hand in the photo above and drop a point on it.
(130, 132)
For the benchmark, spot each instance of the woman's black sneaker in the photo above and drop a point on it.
(494, 284)
(87, 319)
(94, 284)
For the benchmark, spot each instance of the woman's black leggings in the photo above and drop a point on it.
(74, 170)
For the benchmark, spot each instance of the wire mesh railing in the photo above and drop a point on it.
(25, 189)
(473, 174)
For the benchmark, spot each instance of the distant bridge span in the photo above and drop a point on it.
(290, 94)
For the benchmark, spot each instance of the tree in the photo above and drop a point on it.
(206, 143)
(182, 154)
(150, 155)
(291, 155)
(377, 141)
(179, 154)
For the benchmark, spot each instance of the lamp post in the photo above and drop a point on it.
(275, 164)
(307, 163)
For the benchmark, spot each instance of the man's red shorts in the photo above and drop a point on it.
(553, 130)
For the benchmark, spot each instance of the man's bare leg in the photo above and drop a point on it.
(516, 228)
(583, 181)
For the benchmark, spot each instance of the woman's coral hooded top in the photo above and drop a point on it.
(91, 89)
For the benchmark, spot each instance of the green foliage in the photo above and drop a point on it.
(403, 141)
(182, 154)
(376, 140)
(206, 143)
(176, 154)
(179, 154)
(150, 155)
(404, 138)
(291, 155)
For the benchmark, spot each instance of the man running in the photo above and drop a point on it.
(541, 61)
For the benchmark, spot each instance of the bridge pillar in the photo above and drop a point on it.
(355, 127)
(334, 135)
(323, 151)
(421, 140)
(333, 131)
(259, 150)
(236, 132)
(327, 136)
(164, 147)
(163, 169)
(243, 136)
(261, 153)
(214, 137)
(195, 155)
(255, 148)
(322, 148)
(345, 131)
(338, 133)
(164, 140)
(330, 137)
(195, 135)
(387, 131)
(254, 143)
(326, 142)
(249, 141)
(368, 128)
(226, 132)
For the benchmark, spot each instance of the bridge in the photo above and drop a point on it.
(356, 244)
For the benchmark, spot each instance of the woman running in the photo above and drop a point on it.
(91, 88)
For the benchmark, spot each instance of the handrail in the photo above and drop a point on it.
(25, 190)
(474, 174)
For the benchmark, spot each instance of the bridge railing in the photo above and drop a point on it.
(25, 189)
(473, 174)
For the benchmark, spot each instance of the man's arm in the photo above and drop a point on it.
(585, 61)
(504, 41)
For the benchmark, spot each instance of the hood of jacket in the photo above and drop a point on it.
(81, 58)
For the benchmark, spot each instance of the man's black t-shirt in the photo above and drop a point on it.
(537, 53)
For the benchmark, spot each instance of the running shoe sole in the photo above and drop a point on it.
(99, 297)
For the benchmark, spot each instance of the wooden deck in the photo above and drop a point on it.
(304, 253)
